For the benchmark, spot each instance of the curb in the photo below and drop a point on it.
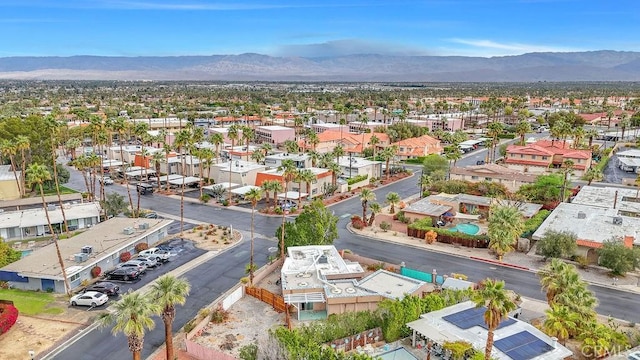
(495, 262)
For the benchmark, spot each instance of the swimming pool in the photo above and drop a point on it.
(467, 228)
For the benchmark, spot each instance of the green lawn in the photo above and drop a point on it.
(63, 190)
(31, 302)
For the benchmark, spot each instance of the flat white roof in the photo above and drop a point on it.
(170, 177)
(390, 285)
(283, 156)
(185, 180)
(356, 162)
(274, 127)
(239, 166)
(7, 174)
(35, 217)
(140, 172)
(608, 197)
(224, 185)
(245, 189)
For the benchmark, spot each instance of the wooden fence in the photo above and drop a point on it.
(266, 296)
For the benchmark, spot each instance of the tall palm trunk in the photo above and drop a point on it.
(21, 190)
(299, 194)
(286, 186)
(489, 347)
(23, 168)
(167, 317)
(230, 162)
(168, 168)
(126, 180)
(67, 288)
(182, 200)
(253, 210)
(135, 346)
(55, 179)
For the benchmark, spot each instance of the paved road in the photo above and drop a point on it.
(213, 278)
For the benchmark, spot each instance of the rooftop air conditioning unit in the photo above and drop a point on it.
(617, 220)
(582, 215)
(86, 249)
(143, 226)
(81, 257)
(51, 207)
(128, 231)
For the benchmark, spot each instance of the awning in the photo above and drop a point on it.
(243, 190)
(314, 297)
(170, 177)
(422, 327)
(185, 180)
(292, 195)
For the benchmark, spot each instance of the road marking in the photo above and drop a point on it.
(344, 216)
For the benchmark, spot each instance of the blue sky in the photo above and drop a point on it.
(315, 27)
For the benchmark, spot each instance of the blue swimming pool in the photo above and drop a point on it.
(467, 228)
(398, 354)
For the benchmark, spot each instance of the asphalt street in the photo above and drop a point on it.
(216, 276)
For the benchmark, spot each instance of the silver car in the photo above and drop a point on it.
(149, 261)
(133, 264)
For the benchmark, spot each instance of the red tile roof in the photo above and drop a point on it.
(589, 243)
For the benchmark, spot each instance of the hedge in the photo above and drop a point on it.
(506, 136)
(96, 271)
(8, 317)
(424, 224)
(357, 179)
(533, 223)
(602, 163)
(452, 237)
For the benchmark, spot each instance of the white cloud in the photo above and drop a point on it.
(479, 47)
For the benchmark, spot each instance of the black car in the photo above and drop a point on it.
(104, 287)
(144, 188)
(124, 274)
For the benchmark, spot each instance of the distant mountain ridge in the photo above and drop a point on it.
(605, 65)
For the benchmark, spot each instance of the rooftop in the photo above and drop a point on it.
(34, 217)
(625, 200)
(390, 285)
(633, 153)
(7, 174)
(105, 238)
(514, 339)
(239, 166)
(274, 128)
(356, 162)
(426, 207)
(285, 156)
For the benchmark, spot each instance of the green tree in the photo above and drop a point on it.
(132, 316)
(114, 204)
(557, 244)
(316, 225)
(7, 254)
(522, 129)
(434, 163)
(289, 171)
(560, 322)
(505, 226)
(618, 258)
(393, 198)
(366, 196)
(167, 292)
(546, 188)
(493, 296)
(592, 174)
(375, 209)
(23, 145)
(36, 175)
(387, 154)
(254, 195)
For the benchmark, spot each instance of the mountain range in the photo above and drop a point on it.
(602, 65)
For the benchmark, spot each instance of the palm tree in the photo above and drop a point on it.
(291, 146)
(593, 174)
(314, 156)
(254, 195)
(505, 226)
(494, 130)
(183, 137)
(289, 170)
(591, 134)
(560, 322)
(257, 156)
(424, 183)
(233, 134)
(338, 152)
(493, 296)
(374, 141)
(393, 198)
(8, 149)
(22, 145)
(522, 128)
(132, 315)
(72, 144)
(156, 159)
(266, 148)
(167, 292)
(276, 187)
(375, 209)
(53, 127)
(387, 154)
(313, 139)
(366, 195)
(217, 139)
(247, 135)
(335, 171)
(36, 175)
(306, 176)
(120, 126)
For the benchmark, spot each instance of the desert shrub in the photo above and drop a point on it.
(96, 271)
(219, 315)
(8, 317)
(385, 226)
(357, 179)
(190, 325)
(423, 224)
(205, 198)
(278, 210)
(125, 256)
(402, 218)
(141, 247)
(357, 222)
(249, 352)
(430, 236)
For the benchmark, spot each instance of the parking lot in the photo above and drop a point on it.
(613, 174)
(183, 251)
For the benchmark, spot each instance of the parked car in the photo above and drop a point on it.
(105, 287)
(138, 266)
(144, 188)
(165, 247)
(150, 262)
(106, 180)
(286, 204)
(151, 215)
(124, 274)
(89, 298)
(155, 253)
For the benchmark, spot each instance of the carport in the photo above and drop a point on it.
(291, 195)
(139, 172)
(185, 180)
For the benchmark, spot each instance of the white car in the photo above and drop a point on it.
(89, 298)
(106, 180)
(155, 253)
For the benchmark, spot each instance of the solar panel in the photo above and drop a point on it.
(522, 346)
(472, 317)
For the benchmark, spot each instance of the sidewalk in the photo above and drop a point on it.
(518, 260)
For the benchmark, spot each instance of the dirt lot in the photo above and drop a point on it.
(43, 331)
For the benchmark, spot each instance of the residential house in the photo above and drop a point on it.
(510, 178)
(323, 177)
(242, 172)
(356, 166)
(546, 156)
(350, 142)
(9, 180)
(30, 223)
(318, 282)
(301, 161)
(99, 246)
(274, 134)
(596, 215)
(419, 146)
(514, 339)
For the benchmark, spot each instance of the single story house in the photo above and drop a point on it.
(99, 246)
